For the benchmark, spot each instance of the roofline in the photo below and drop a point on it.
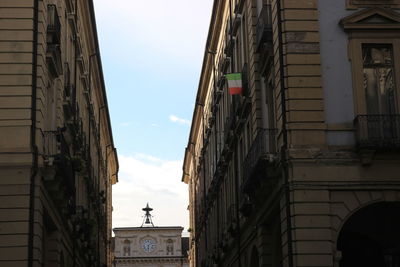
(149, 228)
(103, 85)
(205, 57)
(152, 258)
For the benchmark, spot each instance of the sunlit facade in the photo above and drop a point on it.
(150, 246)
(301, 168)
(58, 160)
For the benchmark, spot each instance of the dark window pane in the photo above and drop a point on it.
(379, 82)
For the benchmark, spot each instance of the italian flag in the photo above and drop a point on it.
(234, 83)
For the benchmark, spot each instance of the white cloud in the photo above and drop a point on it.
(176, 119)
(144, 178)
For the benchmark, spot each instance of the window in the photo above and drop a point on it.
(379, 83)
(170, 247)
(374, 44)
(126, 248)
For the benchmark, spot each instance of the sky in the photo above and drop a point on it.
(152, 53)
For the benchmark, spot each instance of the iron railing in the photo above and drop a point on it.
(378, 131)
(262, 149)
(264, 26)
(51, 145)
(56, 152)
(53, 58)
(229, 124)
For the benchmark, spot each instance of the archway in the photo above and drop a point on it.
(371, 237)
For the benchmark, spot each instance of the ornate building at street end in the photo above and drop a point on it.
(57, 156)
(293, 154)
(150, 246)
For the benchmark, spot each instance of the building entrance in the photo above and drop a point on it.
(371, 237)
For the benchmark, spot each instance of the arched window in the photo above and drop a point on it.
(127, 248)
(170, 247)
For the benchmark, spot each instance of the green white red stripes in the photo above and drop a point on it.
(234, 83)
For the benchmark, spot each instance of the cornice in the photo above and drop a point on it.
(205, 75)
(376, 18)
(150, 259)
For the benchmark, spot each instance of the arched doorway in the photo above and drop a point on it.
(254, 258)
(371, 237)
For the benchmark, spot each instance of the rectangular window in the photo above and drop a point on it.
(379, 82)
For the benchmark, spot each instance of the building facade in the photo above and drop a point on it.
(150, 246)
(57, 157)
(302, 167)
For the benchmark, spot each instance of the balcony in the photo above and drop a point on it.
(233, 28)
(229, 45)
(225, 63)
(228, 126)
(262, 154)
(53, 59)
(60, 178)
(68, 104)
(378, 132)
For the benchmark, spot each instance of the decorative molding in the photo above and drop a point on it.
(354, 4)
(376, 18)
(151, 260)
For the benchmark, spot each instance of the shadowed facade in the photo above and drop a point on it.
(57, 157)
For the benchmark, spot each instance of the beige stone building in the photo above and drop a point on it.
(150, 246)
(57, 157)
(302, 167)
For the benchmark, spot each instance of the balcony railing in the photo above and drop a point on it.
(263, 150)
(51, 145)
(53, 59)
(264, 26)
(378, 131)
(56, 153)
(229, 124)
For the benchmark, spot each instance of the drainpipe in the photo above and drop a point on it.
(204, 185)
(191, 148)
(284, 160)
(99, 147)
(74, 101)
(90, 166)
(90, 117)
(34, 147)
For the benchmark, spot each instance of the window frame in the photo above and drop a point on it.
(357, 67)
(361, 31)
